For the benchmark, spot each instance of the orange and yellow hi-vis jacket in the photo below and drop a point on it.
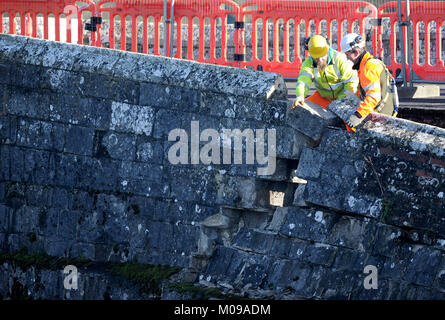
(369, 74)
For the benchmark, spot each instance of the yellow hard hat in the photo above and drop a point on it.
(318, 46)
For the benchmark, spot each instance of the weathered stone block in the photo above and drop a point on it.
(174, 211)
(11, 45)
(322, 254)
(194, 184)
(386, 240)
(298, 196)
(353, 233)
(167, 121)
(25, 220)
(119, 146)
(100, 112)
(290, 143)
(336, 285)
(344, 107)
(103, 173)
(424, 265)
(149, 151)
(310, 163)
(274, 111)
(247, 193)
(5, 70)
(126, 91)
(4, 218)
(67, 227)
(39, 196)
(4, 163)
(27, 102)
(79, 140)
(309, 120)
(8, 130)
(225, 263)
(16, 163)
(35, 134)
(58, 80)
(308, 224)
(68, 108)
(91, 228)
(278, 219)
(221, 105)
(170, 97)
(90, 59)
(81, 201)
(281, 247)
(351, 260)
(256, 241)
(131, 118)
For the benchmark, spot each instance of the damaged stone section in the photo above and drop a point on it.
(370, 198)
(345, 107)
(391, 169)
(85, 173)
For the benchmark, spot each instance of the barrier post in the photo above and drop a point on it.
(410, 48)
(165, 28)
(172, 26)
(401, 25)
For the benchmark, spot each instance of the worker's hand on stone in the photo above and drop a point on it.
(298, 102)
(354, 120)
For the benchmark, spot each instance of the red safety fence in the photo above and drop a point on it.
(260, 33)
(428, 63)
(191, 14)
(213, 15)
(284, 14)
(28, 11)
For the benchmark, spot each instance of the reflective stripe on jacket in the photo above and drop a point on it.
(369, 74)
(338, 80)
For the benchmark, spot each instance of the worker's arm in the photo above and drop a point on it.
(305, 78)
(370, 78)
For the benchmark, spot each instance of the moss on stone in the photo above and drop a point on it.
(148, 277)
(25, 260)
(201, 293)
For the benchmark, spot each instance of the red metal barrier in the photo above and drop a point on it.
(212, 10)
(296, 11)
(123, 8)
(30, 9)
(420, 11)
(190, 9)
(282, 13)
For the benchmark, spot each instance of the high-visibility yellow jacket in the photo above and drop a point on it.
(338, 80)
(369, 74)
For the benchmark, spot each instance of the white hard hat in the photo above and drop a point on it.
(351, 41)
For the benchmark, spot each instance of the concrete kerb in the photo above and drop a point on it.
(419, 91)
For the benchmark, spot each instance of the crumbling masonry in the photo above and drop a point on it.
(84, 173)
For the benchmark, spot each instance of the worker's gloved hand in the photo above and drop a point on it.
(354, 120)
(298, 102)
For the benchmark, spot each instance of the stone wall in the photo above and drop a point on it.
(85, 175)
